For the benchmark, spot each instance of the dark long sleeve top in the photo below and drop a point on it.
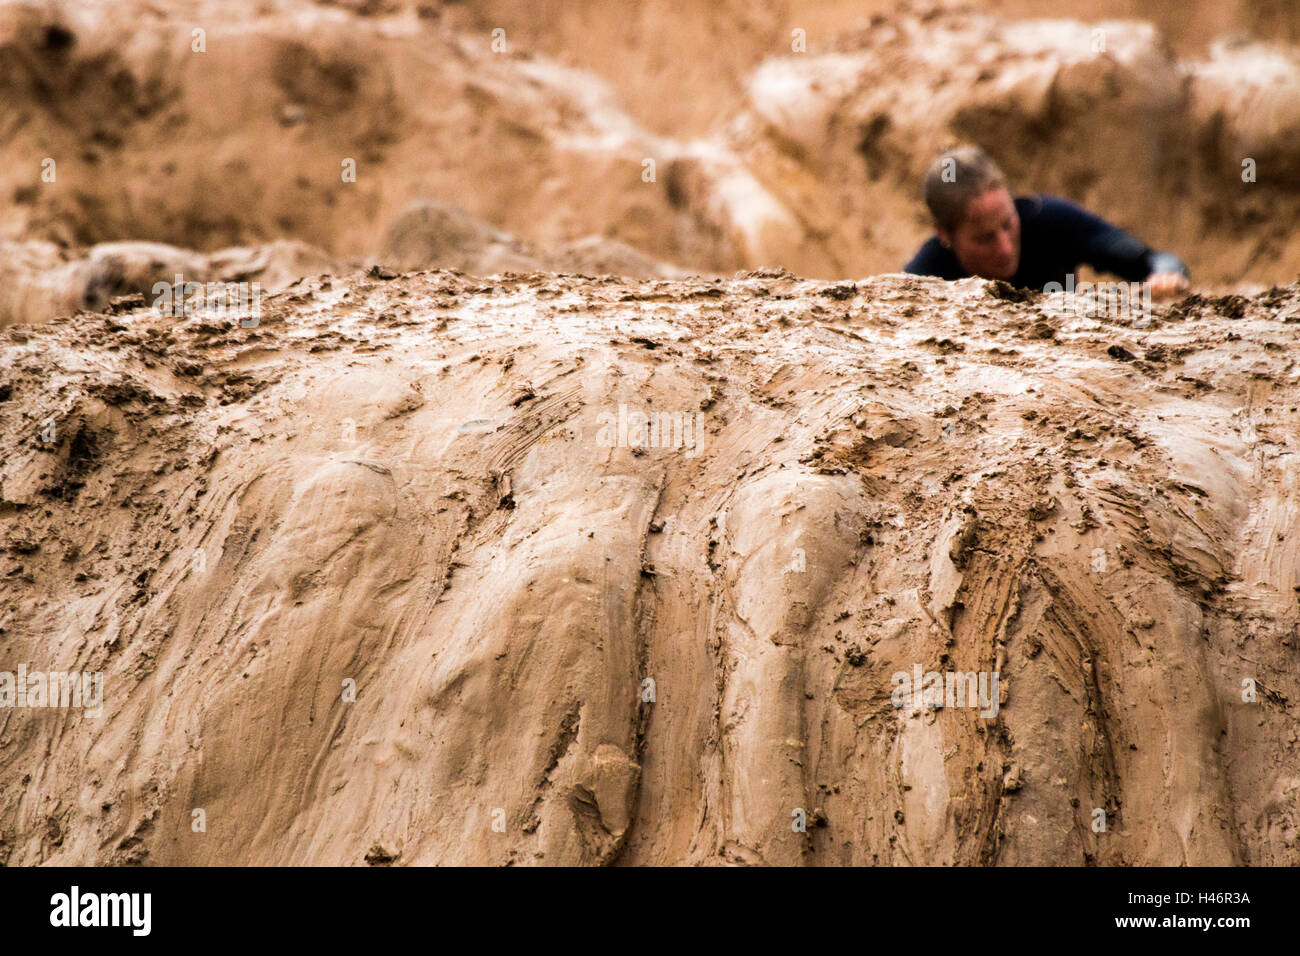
(1056, 237)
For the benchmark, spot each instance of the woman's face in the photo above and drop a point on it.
(987, 243)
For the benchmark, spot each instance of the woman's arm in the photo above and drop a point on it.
(1108, 248)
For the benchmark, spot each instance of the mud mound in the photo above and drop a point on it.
(433, 235)
(551, 570)
(596, 255)
(40, 280)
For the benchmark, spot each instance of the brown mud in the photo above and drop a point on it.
(419, 487)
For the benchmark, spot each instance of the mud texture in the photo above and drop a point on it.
(384, 580)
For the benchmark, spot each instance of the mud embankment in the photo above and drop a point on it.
(399, 575)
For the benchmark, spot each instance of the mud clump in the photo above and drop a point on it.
(40, 280)
(436, 235)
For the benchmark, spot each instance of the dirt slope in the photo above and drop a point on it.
(419, 488)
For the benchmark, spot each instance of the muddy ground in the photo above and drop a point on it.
(431, 489)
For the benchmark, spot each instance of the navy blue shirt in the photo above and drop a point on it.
(1056, 237)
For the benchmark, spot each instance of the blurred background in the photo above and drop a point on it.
(236, 139)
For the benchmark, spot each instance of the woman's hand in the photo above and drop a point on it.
(1166, 285)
